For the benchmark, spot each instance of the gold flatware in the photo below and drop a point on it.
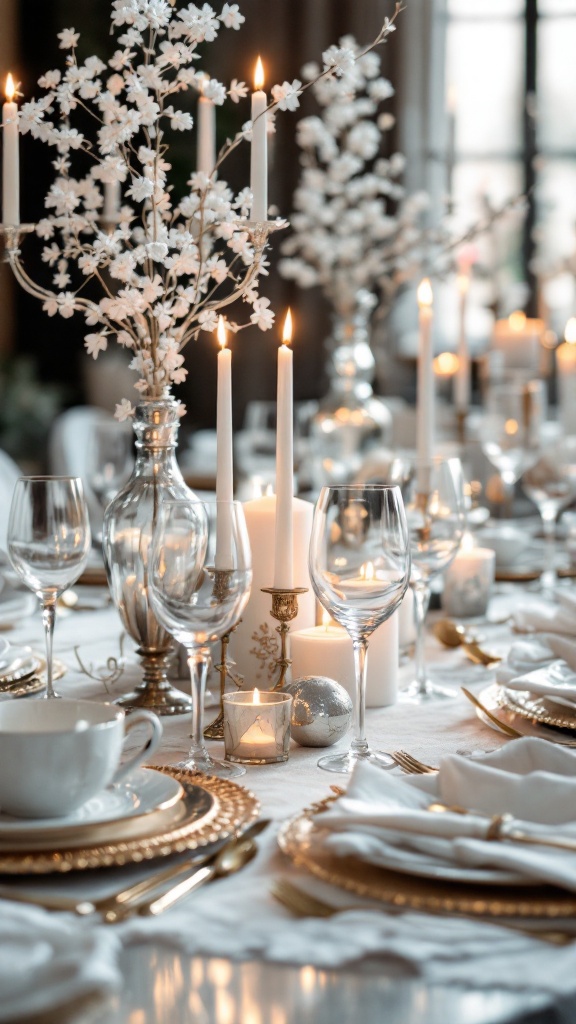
(478, 655)
(520, 576)
(232, 857)
(411, 765)
(301, 904)
(507, 729)
(115, 908)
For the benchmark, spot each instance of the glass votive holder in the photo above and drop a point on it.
(257, 726)
(468, 583)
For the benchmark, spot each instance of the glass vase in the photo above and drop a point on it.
(351, 420)
(129, 522)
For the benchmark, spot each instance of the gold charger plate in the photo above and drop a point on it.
(235, 807)
(34, 683)
(300, 840)
(529, 705)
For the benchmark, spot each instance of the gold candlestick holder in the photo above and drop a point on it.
(215, 731)
(284, 609)
(221, 578)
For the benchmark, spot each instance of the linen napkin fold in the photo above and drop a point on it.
(558, 616)
(530, 779)
(48, 961)
(555, 681)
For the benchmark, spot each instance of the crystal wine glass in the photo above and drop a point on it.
(511, 427)
(200, 576)
(436, 521)
(551, 485)
(109, 460)
(359, 569)
(48, 543)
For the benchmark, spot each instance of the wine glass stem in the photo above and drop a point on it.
(549, 529)
(421, 600)
(48, 619)
(198, 662)
(359, 743)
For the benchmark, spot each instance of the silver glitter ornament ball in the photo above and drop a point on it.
(321, 711)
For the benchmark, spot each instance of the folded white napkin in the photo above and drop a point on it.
(555, 681)
(536, 653)
(530, 779)
(558, 616)
(48, 961)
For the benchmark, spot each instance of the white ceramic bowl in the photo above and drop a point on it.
(507, 542)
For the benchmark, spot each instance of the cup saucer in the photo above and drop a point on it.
(142, 792)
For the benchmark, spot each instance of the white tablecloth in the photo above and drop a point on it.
(237, 917)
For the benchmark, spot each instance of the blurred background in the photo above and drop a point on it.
(483, 112)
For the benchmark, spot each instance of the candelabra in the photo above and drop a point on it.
(215, 731)
(284, 609)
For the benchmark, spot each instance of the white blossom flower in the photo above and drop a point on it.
(231, 17)
(215, 91)
(124, 410)
(340, 58)
(286, 95)
(95, 343)
(142, 188)
(237, 91)
(50, 79)
(68, 38)
(262, 316)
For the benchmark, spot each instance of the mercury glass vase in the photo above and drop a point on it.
(127, 533)
(351, 420)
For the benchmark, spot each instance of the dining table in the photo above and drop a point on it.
(230, 953)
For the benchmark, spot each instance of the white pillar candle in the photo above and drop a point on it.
(259, 148)
(468, 582)
(224, 458)
(518, 338)
(566, 378)
(206, 136)
(254, 645)
(284, 543)
(462, 378)
(425, 386)
(327, 651)
(10, 158)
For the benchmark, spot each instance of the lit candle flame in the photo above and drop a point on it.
(259, 74)
(367, 571)
(446, 364)
(287, 330)
(570, 332)
(511, 427)
(517, 320)
(325, 619)
(10, 88)
(424, 293)
(221, 332)
(256, 696)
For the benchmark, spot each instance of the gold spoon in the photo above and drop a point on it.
(452, 634)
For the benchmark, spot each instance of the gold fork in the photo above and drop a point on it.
(301, 904)
(411, 765)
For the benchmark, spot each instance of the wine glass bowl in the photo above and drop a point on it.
(551, 484)
(48, 543)
(200, 576)
(511, 427)
(436, 520)
(359, 569)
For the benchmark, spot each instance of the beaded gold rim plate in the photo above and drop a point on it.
(530, 705)
(299, 839)
(233, 808)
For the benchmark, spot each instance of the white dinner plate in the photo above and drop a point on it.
(145, 790)
(16, 604)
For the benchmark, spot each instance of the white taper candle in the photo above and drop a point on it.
(425, 385)
(259, 149)
(224, 465)
(206, 136)
(284, 541)
(462, 378)
(10, 158)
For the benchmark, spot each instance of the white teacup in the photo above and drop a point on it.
(57, 754)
